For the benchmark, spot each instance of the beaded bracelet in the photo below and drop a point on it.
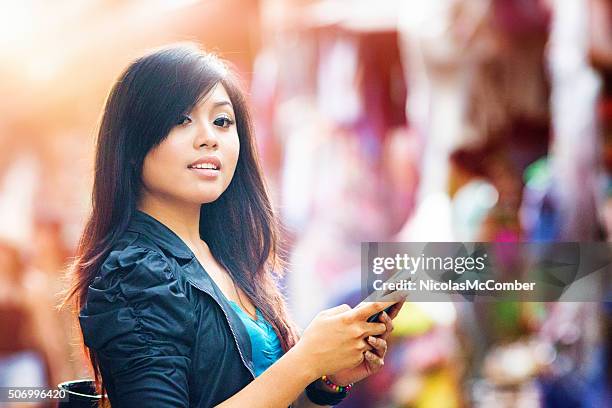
(323, 395)
(336, 387)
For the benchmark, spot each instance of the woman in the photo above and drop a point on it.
(175, 275)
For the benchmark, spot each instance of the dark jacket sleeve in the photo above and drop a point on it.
(138, 321)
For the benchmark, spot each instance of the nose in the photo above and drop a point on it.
(206, 137)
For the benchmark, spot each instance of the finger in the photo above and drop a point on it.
(338, 309)
(367, 309)
(373, 360)
(386, 319)
(365, 345)
(372, 329)
(396, 309)
(379, 345)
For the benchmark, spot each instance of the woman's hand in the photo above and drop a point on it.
(374, 358)
(334, 340)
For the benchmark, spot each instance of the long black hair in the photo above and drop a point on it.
(240, 227)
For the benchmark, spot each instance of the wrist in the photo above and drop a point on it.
(332, 386)
(320, 385)
(303, 362)
(339, 381)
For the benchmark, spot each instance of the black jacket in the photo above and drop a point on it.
(164, 333)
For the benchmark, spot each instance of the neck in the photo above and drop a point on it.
(182, 218)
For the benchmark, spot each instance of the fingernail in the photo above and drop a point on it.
(371, 339)
(369, 355)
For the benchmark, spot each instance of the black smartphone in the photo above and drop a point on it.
(376, 316)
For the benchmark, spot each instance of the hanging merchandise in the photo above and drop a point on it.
(441, 44)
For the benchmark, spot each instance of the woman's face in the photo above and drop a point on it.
(196, 162)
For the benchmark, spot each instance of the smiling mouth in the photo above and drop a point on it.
(204, 166)
(206, 171)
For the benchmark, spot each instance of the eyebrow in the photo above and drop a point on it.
(222, 103)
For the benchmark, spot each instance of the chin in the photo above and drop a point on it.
(207, 198)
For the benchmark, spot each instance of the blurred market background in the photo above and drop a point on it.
(387, 120)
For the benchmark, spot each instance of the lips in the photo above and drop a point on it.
(208, 162)
(206, 168)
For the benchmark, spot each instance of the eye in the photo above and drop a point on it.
(184, 120)
(223, 121)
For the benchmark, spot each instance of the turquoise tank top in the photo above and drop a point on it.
(265, 345)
